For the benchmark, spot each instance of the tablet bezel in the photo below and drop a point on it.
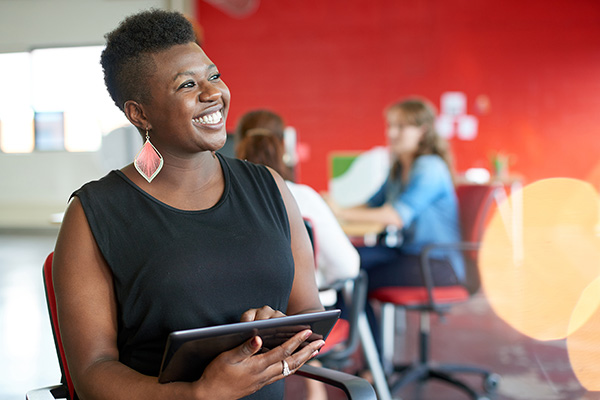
(188, 352)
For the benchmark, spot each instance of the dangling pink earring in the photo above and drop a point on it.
(148, 161)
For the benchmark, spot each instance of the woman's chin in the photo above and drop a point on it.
(218, 143)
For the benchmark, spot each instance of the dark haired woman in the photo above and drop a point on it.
(181, 238)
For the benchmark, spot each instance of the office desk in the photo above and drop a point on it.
(362, 233)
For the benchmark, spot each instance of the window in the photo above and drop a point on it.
(16, 114)
(49, 128)
(55, 99)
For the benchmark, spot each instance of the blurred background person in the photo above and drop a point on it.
(417, 203)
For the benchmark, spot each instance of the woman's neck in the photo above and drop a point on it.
(190, 185)
(406, 161)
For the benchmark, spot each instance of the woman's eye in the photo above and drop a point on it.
(214, 77)
(187, 84)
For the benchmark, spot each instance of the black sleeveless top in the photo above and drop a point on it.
(175, 269)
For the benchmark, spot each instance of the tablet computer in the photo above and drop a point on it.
(188, 352)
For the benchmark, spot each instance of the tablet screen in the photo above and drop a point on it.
(188, 352)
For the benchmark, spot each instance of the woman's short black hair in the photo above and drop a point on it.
(125, 60)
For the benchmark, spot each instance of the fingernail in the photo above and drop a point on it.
(255, 341)
(307, 334)
(321, 344)
(314, 354)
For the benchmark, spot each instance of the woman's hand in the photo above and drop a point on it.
(241, 371)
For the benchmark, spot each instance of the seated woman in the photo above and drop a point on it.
(182, 238)
(417, 201)
(337, 259)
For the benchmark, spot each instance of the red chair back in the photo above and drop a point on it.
(475, 203)
(51, 301)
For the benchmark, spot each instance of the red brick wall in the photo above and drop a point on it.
(330, 67)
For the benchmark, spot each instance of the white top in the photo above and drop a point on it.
(336, 256)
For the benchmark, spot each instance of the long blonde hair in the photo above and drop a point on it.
(421, 113)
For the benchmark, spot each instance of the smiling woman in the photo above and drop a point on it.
(185, 108)
(171, 241)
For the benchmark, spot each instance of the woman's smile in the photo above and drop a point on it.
(210, 119)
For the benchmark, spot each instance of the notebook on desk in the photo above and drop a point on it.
(188, 352)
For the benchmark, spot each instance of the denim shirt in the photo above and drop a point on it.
(428, 207)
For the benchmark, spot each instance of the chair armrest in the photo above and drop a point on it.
(464, 246)
(47, 393)
(353, 386)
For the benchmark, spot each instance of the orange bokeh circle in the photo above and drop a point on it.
(540, 251)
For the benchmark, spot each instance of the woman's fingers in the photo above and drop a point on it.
(264, 312)
(304, 350)
(251, 347)
(243, 371)
(274, 358)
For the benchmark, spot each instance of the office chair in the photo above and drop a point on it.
(475, 202)
(352, 332)
(354, 387)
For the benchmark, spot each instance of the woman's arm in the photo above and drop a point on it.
(374, 211)
(429, 176)
(87, 312)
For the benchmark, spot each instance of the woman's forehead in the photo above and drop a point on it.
(182, 59)
(397, 115)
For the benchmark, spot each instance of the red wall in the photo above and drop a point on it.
(330, 67)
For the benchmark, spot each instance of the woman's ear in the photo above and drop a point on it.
(135, 114)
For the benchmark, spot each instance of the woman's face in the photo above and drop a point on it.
(403, 138)
(189, 103)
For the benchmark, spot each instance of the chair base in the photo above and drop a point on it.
(423, 368)
(420, 372)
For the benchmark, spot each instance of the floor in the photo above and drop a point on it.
(472, 334)
(28, 358)
(530, 370)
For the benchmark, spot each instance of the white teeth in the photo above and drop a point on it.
(210, 118)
